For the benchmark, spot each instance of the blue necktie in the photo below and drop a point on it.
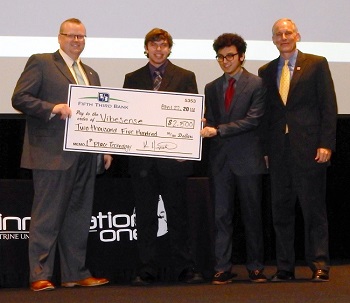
(78, 74)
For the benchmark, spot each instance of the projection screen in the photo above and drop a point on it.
(116, 29)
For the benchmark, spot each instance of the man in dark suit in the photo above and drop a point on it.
(152, 177)
(301, 124)
(63, 181)
(236, 156)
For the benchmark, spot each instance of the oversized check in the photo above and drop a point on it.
(134, 122)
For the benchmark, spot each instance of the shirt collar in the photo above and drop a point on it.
(292, 59)
(235, 76)
(69, 61)
(161, 68)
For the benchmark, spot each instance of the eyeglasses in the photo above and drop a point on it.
(228, 57)
(73, 37)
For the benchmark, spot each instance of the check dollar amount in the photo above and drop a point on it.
(134, 122)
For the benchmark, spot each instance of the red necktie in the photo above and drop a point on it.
(229, 93)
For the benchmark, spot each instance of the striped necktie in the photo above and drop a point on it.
(157, 80)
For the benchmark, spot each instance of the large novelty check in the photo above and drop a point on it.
(134, 122)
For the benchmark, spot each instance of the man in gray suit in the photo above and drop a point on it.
(63, 181)
(300, 139)
(234, 109)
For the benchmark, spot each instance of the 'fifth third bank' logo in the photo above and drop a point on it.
(103, 97)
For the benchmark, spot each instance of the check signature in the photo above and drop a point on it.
(166, 145)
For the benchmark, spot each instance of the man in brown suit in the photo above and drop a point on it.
(301, 127)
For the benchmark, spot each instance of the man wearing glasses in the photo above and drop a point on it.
(152, 177)
(63, 181)
(234, 109)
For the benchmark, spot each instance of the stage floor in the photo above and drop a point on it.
(240, 291)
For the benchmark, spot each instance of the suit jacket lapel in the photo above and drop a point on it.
(62, 66)
(219, 95)
(167, 77)
(240, 85)
(273, 68)
(273, 76)
(91, 75)
(145, 78)
(88, 74)
(299, 67)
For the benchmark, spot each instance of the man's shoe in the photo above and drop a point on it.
(91, 281)
(190, 276)
(42, 285)
(222, 277)
(138, 281)
(283, 276)
(257, 276)
(320, 275)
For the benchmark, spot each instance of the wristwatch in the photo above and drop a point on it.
(218, 132)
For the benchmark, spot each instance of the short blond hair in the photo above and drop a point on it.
(288, 20)
(70, 20)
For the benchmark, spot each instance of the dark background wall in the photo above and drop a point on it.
(338, 189)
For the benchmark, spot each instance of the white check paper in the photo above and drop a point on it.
(134, 122)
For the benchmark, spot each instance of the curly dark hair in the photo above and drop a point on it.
(229, 39)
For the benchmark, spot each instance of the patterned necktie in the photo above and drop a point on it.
(230, 91)
(78, 74)
(157, 80)
(284, 82)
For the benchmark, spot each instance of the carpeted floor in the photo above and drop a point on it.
(240, 291)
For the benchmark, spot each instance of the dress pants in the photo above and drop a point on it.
(148, 184)
(289, 184)
(61, 215)
(249, 188)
